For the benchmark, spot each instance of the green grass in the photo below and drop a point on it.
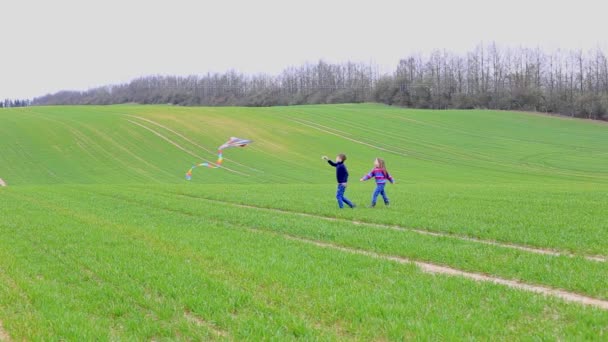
(102, 238)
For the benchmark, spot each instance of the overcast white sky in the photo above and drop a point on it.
(77, 44)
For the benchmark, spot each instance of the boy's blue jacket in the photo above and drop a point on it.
(341, 171)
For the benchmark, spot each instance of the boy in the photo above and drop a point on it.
(342, 178)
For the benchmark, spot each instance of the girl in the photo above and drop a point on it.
(379, 172)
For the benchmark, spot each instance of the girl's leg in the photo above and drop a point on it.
(375, 194)
(383, 193)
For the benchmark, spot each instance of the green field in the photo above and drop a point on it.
(101, 237)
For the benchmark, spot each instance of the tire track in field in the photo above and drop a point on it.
(465, 159)
(423, 266)
(84, 141)
(182, 148)
(449, 161)
(402, 139)
(469, 157)
(533, 166)
(449, 271)
(213, 151)
(196, 320)
(389, 148)
(443, 270)
(122, 147)
(189, 140)
(535, 250)
(326, 130)
(30, 159)
(4, 336)
(394, 150)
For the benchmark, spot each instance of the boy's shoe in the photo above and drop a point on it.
(353, 206)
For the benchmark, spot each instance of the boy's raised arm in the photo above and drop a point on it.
(329, 161)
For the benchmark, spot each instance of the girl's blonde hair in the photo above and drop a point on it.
(382, 166)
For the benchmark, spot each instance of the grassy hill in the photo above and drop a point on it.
(102, 237)
(141, 144)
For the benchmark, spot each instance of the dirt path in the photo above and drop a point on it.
(2, 182)
(436, 269)
(4, 336)
(419, 231)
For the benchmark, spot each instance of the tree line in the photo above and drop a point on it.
(573, 83)
(8, 103)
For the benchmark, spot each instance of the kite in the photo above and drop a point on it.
(232, 142)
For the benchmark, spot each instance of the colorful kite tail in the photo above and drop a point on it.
(220, 157)
(217, 164)
(233, 142)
